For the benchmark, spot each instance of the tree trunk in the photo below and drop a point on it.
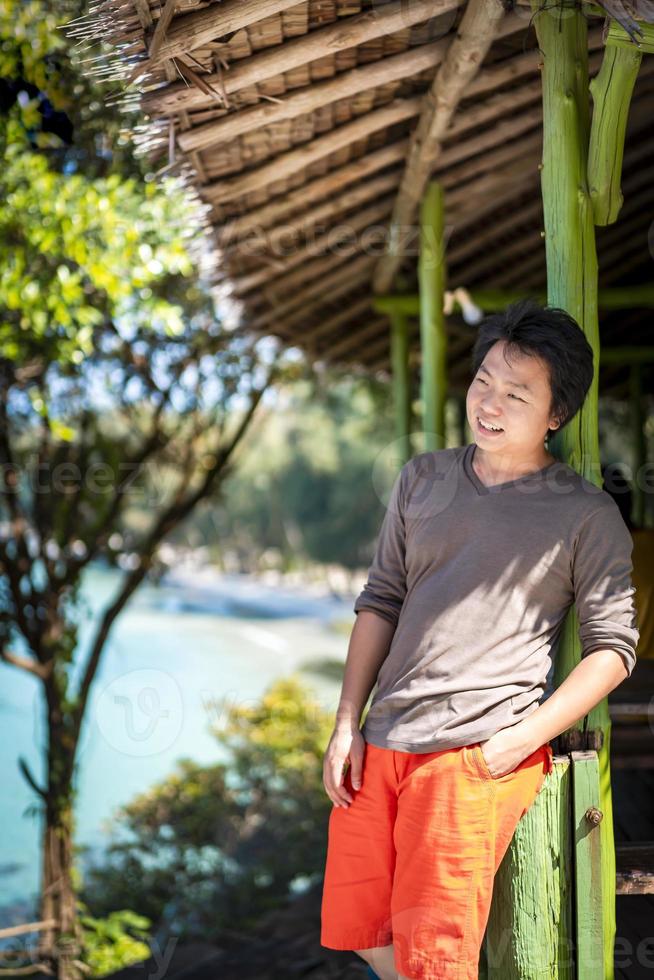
(59, 946)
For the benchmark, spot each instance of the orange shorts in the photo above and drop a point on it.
(412, 860)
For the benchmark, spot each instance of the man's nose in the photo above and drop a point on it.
(490, 404)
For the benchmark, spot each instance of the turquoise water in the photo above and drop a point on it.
(178, 656)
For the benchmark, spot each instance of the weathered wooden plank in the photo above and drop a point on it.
(530, 925)
(587, 816)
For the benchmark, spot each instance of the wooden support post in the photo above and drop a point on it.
(401, 383)
(530, 926)
(587, 818)
(572, 278)
(640, 445)
(433, 339)
(611, 88)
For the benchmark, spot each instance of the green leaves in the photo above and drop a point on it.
(76, 252)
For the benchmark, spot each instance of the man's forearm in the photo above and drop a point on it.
(585, 686)
(369, 644)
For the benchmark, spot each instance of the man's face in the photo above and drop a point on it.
(512, 397)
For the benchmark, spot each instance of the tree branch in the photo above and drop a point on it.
(168, 520)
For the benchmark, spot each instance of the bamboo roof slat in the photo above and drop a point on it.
(341, 36)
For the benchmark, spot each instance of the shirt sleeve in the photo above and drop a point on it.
(603, 587)
(385, 588)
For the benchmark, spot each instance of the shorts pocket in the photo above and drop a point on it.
(482, 764)
(544, 752)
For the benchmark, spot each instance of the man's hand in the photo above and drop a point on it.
(592, 679)
(347, 744)
(504, 751)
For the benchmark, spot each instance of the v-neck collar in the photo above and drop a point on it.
(481, 488)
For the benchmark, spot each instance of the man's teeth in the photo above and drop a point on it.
(493, 428)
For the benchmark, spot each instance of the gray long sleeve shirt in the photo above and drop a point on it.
(477, 581)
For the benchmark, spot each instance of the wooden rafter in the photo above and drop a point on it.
(163, 24)
(313, 97)
(299, 159)
(191, 31)
(474, 37)
(318, 189)
(358, 223)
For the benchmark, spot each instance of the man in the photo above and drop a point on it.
(481, 552)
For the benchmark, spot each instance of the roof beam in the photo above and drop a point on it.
(267, 215)
(477, 31)
(319, 292)
(358, 223)
(293, 231)
(314, 190)
(309, 98)
(347, 32)
(287, 164)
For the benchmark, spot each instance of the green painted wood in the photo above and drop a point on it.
(433, 338)
(612, 89)
(618, 37)
(638, 415)
(572, 280)
(401, 383)
(491, 300)
(586, 812)
(530, 926)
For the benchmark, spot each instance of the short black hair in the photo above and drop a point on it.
(551, 334)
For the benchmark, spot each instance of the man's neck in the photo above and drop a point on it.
(499, 468)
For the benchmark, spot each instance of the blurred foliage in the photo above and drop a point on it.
(114, 942)
(49, 98)
(212, 848)
(84, 239)
(304, 485)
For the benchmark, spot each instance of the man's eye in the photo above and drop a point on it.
(481, 381)
(511, 395)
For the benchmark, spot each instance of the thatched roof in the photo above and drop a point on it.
(304, 128)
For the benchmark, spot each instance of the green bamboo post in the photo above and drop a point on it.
(572, 281)
(611, 88)
(640, 447)
(462, 421)
(433, 340)
(401, 383)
